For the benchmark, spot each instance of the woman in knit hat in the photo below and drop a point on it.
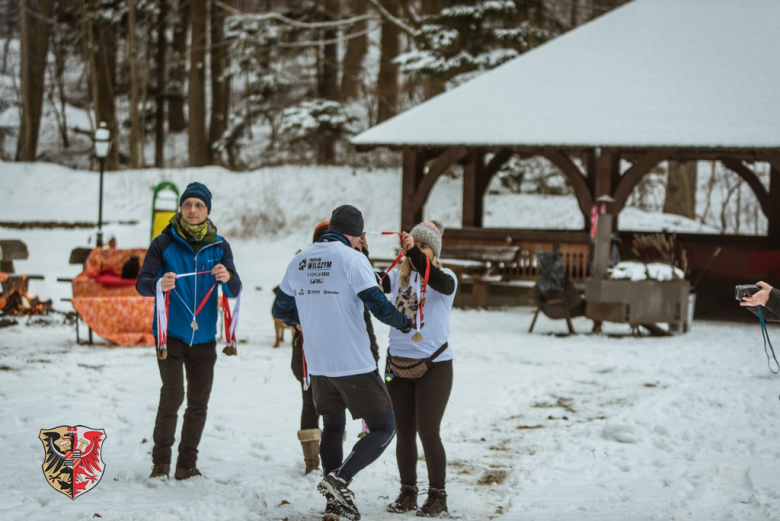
(424, 291)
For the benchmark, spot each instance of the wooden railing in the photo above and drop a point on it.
(518, 260)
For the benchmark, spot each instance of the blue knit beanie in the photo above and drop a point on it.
(198, 191)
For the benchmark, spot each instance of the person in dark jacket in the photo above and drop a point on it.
(189, 246)
(310, 434)
(325, 288)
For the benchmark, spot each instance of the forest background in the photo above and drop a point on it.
(249, 84)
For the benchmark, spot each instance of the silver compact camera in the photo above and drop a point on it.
(745, 290)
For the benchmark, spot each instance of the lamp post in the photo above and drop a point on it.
(102, 145)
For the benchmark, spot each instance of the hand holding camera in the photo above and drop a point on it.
(753, 295)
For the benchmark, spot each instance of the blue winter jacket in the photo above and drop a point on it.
(170, 252)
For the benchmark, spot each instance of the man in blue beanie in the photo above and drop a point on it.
(189, 243)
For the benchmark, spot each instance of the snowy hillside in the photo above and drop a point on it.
(539, 427)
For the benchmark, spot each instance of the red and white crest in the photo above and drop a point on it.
(73, 458)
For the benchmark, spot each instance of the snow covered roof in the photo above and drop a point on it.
(653, 73)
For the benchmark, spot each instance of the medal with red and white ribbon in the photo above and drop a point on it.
(397, 259)
(422, 287)
(417, 337)
(162, 301)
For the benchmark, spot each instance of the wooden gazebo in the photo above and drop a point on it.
(654, 80)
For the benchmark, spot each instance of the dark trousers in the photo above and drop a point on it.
(419, 405)
(366, 450)
(309, 417)
(198, 364)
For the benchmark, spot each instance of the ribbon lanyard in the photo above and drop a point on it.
(231, 323)
(397, 259)
(305, 373)
(191, 274)
(417, 337)
(765, 334)
(194, 324)
(161, 309)
(163, 304)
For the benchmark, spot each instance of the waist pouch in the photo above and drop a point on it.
(410, 367)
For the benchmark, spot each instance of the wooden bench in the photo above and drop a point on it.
(508, 263)
(517, 261)
(477, 267)
(480, 266)
(11, 250)
(78, 255)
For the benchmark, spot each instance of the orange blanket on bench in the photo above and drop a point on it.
(109, 304)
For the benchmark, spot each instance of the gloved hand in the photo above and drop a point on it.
(407, 328)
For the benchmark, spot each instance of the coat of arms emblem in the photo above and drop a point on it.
(73, 462)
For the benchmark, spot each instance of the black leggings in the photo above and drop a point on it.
(419, 406)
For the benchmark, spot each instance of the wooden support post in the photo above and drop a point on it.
(472, 198)
(614, 177)
(577, 179)
(413, 173)
(480, 294)
(604, 174)
(773, 216)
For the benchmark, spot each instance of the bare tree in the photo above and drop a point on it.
(177, 121)
(137, 86)
(36, 19)
(60, 45)
(160, 75)
(387, 83)
(9, 13)
(101, 51)
(196, 99)
(327, 84)
(352, 75)
(220, 88)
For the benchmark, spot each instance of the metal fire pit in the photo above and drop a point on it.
(18, 283)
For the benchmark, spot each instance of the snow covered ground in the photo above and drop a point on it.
(539, 427)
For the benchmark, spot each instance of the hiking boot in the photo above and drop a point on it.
(331, 512)
(310, 443)
(435, 504)
(406, 500)
(186, 473)
(160, 470)
(335, 489)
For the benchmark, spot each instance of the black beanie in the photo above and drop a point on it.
(198, 191)
(348, 220)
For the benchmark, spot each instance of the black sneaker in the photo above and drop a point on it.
(331, 512)
(186, 473)
(160, 470)
(435, 505)
(335, 489)
(406, 500)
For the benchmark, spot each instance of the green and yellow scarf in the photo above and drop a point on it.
(197, 234)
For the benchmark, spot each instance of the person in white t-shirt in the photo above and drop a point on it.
(419, 402)
(310, 433)
(324, 290)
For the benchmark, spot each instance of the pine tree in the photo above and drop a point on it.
(462, 41)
